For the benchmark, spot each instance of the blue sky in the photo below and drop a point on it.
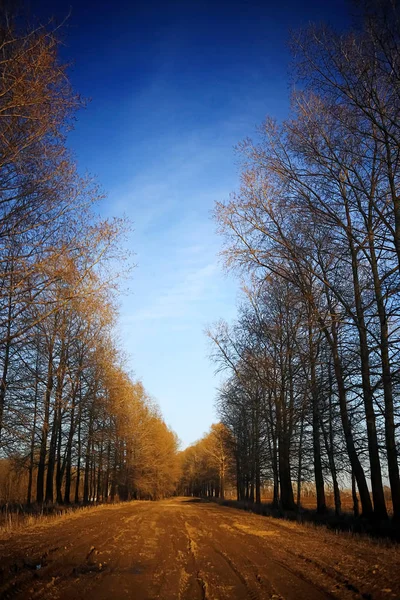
(174, 85)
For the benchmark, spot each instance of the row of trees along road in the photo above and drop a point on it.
(206, 467)
(313, 358)
(73, 425)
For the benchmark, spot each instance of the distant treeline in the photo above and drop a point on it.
(206, 467)
(313, 358)
(73, 425)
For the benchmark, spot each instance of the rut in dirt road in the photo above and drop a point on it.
(179, 549)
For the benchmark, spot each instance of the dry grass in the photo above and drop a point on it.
(346, 523)
(309, 501)
(20, 518)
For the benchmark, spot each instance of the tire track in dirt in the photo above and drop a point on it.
(244, 553)
(223, 578)
(263, 558)
(337, 581)
(253, 594)
(171, 569)
(193, 554)
(263, 576)
(330, 572)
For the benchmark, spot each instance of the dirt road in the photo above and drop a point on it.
(191, 550)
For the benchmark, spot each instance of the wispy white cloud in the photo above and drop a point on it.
(181, 300)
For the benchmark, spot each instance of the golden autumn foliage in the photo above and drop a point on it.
(73, 425)
(207, 465)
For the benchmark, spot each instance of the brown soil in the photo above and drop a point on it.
(191, 550)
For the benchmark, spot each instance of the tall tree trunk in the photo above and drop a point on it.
(393, 187)
(7, 349)
(319, 478)
(68, 458)
(100, 470)
(287, 497)
(348, 434)
(380, 511)
(107, 474)
(330, 445)
(86, 481)
(390, 436)
(299, 466)
(33, 432)
(45, 427)
(354, 495)
(59, 469)
(332, 466)
(79, 449)
(113, 489)
(49, 497)
(332, 339)
(273, 448)
(55, 440)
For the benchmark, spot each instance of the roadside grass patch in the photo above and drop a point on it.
(19, 517)
(384, 532)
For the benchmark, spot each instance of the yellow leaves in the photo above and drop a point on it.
(208, 461)
(150, 447)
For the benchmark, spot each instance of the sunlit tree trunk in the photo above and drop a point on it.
(33, 431)
(390, 435)
(45, 426)
(319, 479)
(376, 474)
